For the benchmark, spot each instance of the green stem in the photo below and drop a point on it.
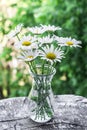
(54, 64)
(18, 37)
(31, 68)
(48, 69)
(43, 65)
(34, 67)
(68, 48)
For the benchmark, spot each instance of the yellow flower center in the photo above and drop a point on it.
(69, 43)
(26, 43)
(30, 57)
(51, 55)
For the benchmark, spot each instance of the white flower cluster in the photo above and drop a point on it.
(41, 43)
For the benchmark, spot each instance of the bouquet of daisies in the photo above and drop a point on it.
(41, 50)
(39, 45)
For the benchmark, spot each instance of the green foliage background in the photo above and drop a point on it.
(71, 73)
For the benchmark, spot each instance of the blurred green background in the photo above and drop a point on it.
(71, 76)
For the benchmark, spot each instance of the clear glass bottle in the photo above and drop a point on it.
(41, 95)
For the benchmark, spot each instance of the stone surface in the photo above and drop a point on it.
(70, 114)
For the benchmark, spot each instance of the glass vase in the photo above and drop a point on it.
(41, 95)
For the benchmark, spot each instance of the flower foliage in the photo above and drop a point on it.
(39, 45)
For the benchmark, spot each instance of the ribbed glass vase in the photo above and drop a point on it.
(41, 95)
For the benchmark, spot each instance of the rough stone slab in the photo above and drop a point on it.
(70, 114)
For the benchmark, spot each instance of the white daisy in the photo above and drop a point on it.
(51, 54)
(47, 39)
(36, 30)
(27, 42)
(15, 31)
(67, 42)
(28, 55)
(50, 27)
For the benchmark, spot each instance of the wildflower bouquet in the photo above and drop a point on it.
(41, 50)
